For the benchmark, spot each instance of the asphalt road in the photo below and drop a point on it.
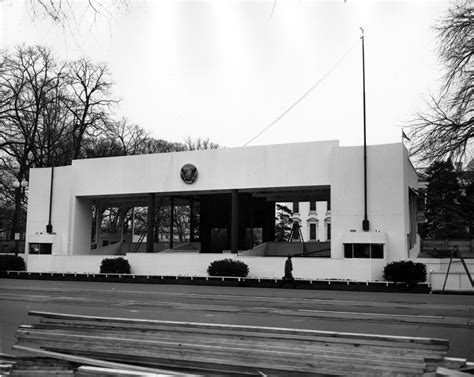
(438, 316)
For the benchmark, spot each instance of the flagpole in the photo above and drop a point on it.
(365, 222)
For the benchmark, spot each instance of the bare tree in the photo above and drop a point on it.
(199, 144)
(96, 147)
(89, 100)
(61, 12)
(131, 137)
(29, 83)
(446, 129)
(47, 110)
(153, 145)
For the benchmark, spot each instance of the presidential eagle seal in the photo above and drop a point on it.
(189, 173)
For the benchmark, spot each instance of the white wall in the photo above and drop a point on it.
(65, 263)
(385, 192)
(190, 264)
(221, 169)
(80, 230)
(457, 281)
(38, 208)
(410, 180)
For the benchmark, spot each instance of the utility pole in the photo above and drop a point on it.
(365, 222)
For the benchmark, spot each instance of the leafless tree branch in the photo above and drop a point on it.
(445, 129)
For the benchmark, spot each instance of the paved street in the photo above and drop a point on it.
(450, 316)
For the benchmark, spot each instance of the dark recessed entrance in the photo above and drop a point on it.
(208, 222)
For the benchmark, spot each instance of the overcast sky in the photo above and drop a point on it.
(227, 69)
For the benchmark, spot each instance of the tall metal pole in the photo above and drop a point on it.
(49, 226)
(365, 222)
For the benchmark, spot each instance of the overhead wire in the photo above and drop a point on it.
(273, 9)
(304, 95)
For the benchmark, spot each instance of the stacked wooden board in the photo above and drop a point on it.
(232, 350)
(13, 365)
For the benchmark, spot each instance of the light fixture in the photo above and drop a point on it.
(16, 183)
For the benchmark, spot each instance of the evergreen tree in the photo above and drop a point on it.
(444, 212)
(467, 198)
(282, 223)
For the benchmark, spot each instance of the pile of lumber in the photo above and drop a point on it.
(66, 365)
(233, 350)
(12, 365)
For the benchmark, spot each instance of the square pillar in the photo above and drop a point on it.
(171, 222)
(150, 223)
(234, 240)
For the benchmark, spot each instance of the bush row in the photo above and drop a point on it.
(115, 266)
(405, 272)
(11, 263)
(228, 267)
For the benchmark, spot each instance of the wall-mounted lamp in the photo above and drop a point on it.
(20, 186)
(17, 184)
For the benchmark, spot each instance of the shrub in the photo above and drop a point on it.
(115, 266)
(228, 267)
(405, 271)
(11, 263)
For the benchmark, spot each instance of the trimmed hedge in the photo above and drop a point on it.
(228, 267)
(405, 272)
(11, 263)
(115, 266)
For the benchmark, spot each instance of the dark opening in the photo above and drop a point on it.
(363, 250)
(40, 248)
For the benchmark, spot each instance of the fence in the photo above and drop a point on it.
(440, 248)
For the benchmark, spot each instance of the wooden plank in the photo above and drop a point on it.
(350, 349)
(227, 357)
(171, 364)
(445, 372)
(208, 363)
(277, 337)
(96, 362)
(124, 340)
(41, 372)
(307, 334)
(453, 363)
(205, 346)
(122, 321)
(95, 371)
(250, 343)
(177, 356)
(211, 369)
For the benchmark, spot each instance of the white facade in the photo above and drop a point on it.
(261, 170)
(314, 219)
